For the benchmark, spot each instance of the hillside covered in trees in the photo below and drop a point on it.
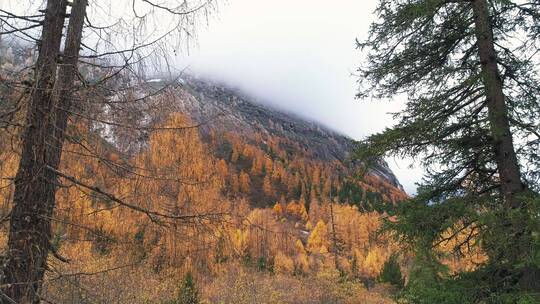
(124, 179)
(200, 178)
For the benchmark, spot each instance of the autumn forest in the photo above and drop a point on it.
(124, 179)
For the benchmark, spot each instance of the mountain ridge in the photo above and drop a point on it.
(218, 104)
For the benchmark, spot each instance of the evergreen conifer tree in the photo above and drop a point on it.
(188, 293)
(469, 71)
(391, 273)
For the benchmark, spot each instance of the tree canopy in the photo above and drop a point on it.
(469, 72)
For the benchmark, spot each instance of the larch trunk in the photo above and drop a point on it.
(507, 163)
(35, 184)
(64, 86)
(512, 216)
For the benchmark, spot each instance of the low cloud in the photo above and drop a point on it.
(299, 56)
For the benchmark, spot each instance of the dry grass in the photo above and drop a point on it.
(244, 286)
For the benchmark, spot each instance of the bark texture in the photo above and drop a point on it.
(507, 163)
(512, 215)
(64, 88)
(35, 184)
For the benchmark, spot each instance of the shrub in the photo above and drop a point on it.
(391, 273)
(188, 292)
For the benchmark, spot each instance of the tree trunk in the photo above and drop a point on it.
(507, 163)
(334, 237)
(64, 85)
(517, 242)
(33, 202)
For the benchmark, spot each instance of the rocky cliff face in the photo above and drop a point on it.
(223, 108)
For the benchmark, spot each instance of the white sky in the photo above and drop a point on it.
(298, 55)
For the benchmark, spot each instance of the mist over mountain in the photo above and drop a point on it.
(302, 152)
(190, 173)
(222, 107)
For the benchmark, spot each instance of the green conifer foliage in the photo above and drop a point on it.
(469, 72)
(391, 272)
(188, 293)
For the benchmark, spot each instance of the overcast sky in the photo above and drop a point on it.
(298, 55)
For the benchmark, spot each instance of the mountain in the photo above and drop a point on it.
(244, 133)
(193, 175)
(301, 147)
(248, 115)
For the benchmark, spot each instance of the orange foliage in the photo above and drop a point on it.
(245, 182)
(278, 209)
(318, 241)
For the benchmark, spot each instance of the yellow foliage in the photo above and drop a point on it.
(318, 241)
(461, 255)
(245, 182)
(292, 207)
(222, 168)
(175, 173)
(240, 241)
(256, 167)
(299, 247)
(374, 261)
(297, 209)
(302, 263)
(283, 264)
(302, 212)
(278, 209)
